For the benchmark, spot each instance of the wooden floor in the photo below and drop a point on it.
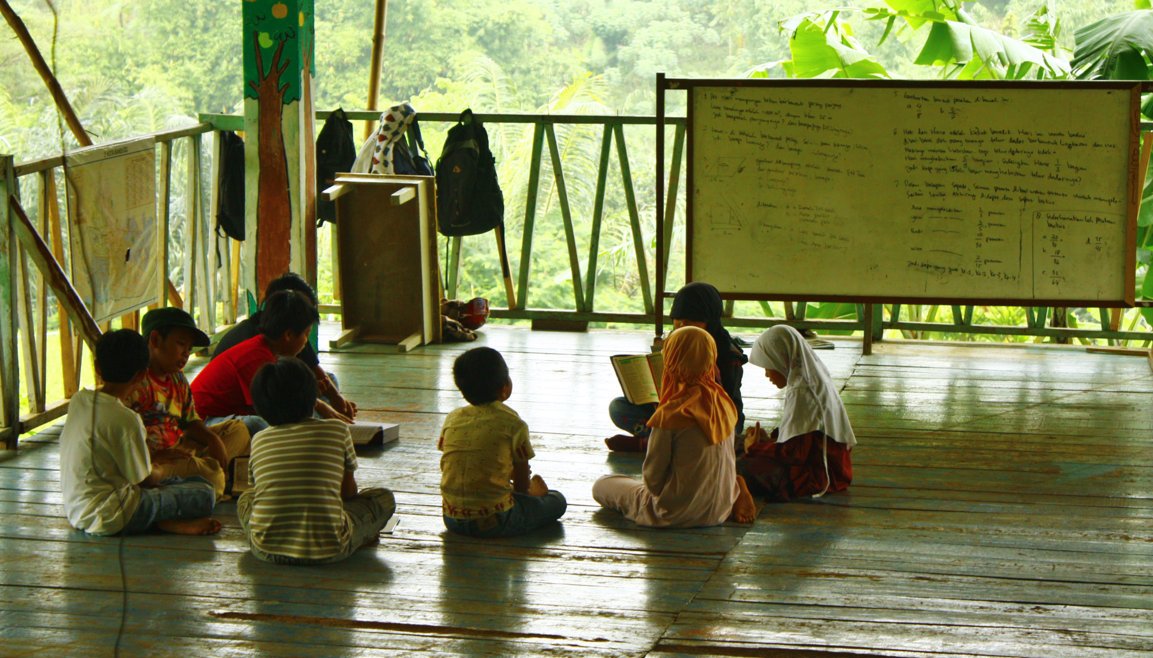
(1003, 506)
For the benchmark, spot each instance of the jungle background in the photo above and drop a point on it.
(132, 67)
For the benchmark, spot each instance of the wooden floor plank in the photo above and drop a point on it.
(1002, 506)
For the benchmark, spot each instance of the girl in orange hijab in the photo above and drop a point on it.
(689, 473)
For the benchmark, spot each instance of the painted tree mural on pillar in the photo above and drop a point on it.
(277, 50)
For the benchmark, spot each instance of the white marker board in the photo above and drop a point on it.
(901, 191)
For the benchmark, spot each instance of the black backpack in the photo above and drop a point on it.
(335, 152)
(230, 202)
(408, 156)
(468, 196)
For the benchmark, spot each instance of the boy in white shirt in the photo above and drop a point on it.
(105, 472)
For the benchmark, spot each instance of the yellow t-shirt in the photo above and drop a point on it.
(480, 444)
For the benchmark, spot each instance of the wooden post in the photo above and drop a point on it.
(280, 203)
(379, 25)
(9, 366)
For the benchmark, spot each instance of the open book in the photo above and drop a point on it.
(640, 376)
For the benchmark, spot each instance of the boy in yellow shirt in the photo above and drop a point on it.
(485, 478)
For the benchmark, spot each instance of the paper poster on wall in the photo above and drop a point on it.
(112, 227)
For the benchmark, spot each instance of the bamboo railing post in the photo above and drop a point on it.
(9, 366)
(379, 25)
(46, 74)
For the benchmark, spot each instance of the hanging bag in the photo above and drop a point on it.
(468, 196)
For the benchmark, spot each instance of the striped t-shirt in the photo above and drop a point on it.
(297, 471)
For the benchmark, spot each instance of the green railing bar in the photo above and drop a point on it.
(453, 266)
(673, 189)
(530, 215)
(236, 122)
(598, 216)
(634, 218)
(566, 214)
(1054, 332)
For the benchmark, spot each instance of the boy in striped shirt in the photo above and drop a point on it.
(304, 507)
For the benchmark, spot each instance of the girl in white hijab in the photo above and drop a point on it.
(808, 454)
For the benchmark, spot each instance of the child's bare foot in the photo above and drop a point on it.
(744, 508)
(204, 526)
(537, 487)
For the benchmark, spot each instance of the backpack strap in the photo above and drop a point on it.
(416, 142)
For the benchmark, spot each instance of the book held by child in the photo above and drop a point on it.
(639, 375)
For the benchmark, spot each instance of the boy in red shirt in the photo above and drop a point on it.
(222, 390)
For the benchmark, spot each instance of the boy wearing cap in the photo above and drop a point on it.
(179, 442)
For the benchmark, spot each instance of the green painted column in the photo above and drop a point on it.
(280, 202)
(9, 367)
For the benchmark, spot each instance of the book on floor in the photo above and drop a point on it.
(640, 376)
(373, 435)
(239, 476)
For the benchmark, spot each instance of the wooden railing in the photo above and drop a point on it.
(201, 269)
(34, 318)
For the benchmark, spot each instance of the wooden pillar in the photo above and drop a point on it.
(280, 203)
(9, 368)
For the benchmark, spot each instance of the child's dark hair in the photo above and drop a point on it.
(290, 281)
(480, 374)
(287, 310)
(284, 391)
(120, 355)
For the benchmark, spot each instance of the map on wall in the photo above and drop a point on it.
(112, 227)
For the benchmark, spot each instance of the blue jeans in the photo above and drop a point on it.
(254, 423)
(630, 417)
(527, 513)
(190, 498)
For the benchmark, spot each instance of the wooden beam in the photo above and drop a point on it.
(411, 343)
(46, 74)
(402, 196)
(346, 337)
(53, 274)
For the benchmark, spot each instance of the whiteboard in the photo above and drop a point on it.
(945, 192)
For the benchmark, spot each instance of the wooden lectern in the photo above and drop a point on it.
(386, 246)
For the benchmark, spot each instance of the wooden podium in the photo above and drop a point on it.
(386, 250)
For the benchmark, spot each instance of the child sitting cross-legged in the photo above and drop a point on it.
(109, 483)
(485, 478)
(222, 389)
(180, 443)
(304, 507)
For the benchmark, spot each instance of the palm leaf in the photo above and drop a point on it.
(983, 53)
(1113, 47)
(818, 53)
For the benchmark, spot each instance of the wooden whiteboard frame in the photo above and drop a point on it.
(1133, 180)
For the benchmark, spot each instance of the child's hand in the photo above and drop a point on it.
(537, 487)
(754, 435)
(216, 450)
(326, 411)
(346, 408)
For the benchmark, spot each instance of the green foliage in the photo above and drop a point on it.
(1115, 48)
(135, 66)
(820, 52)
